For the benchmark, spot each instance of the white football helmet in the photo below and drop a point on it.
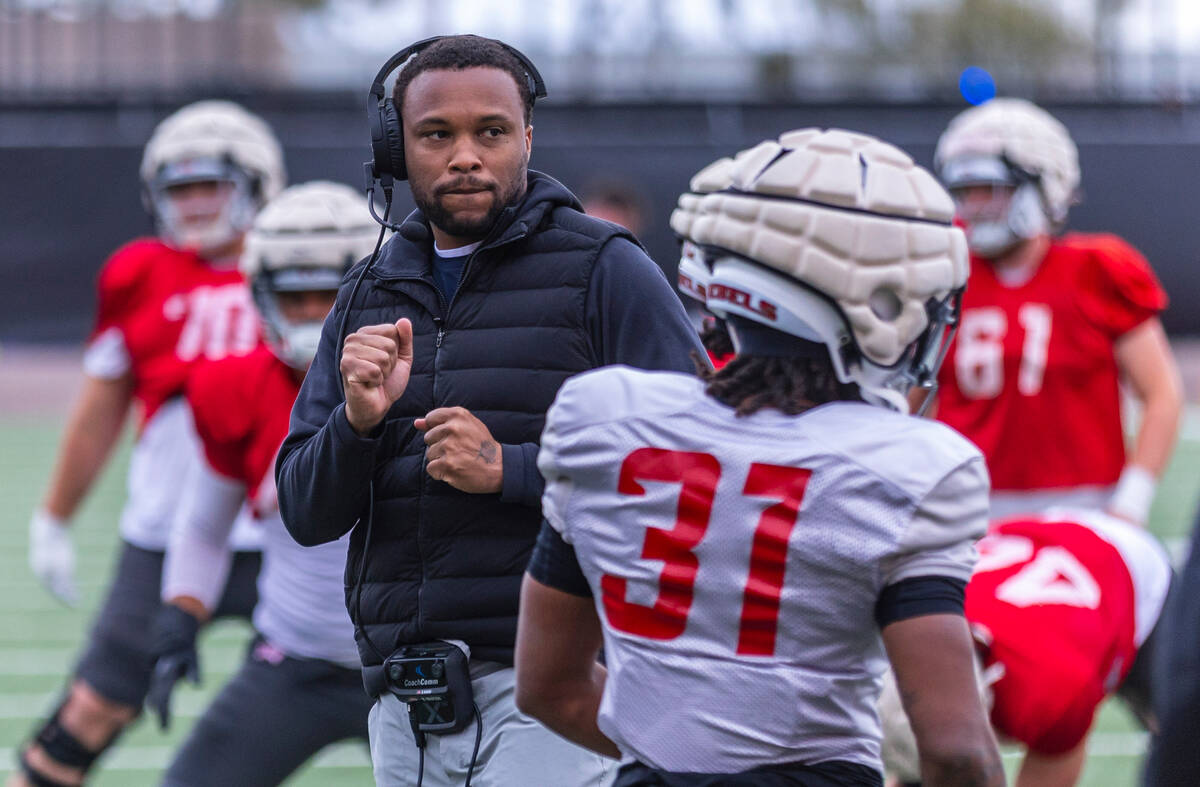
(694, 268)
(840, 239)
(1014, 145)
(305, 239)
(215, 141)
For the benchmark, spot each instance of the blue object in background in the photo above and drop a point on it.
(976, 85)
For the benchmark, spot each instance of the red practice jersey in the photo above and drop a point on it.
(1063, 601)
(1031, 377)
(170, 309)
(241, 407)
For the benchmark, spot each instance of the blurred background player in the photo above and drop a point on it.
(1050, 325)
(300, 687)
(164, 303)
(1065, 609)
(746, 544)
(617, 201)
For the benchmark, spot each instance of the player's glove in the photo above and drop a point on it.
(173, 647)
(52, 556)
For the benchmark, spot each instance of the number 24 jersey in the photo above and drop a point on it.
(736, 562)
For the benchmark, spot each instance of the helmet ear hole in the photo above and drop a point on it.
(885, 304)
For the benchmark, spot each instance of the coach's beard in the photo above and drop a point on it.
(462, 226)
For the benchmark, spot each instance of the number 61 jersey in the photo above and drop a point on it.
(1031, 377)
(743, 566)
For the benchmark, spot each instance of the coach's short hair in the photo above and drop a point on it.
(455, 53)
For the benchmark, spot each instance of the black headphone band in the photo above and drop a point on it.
(537, 86)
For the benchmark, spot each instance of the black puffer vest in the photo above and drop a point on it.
(444, 564)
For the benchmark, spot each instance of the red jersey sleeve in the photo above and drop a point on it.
(1117, 290)
(120, 281)
(222, 423)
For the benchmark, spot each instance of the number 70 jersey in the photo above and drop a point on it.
(736, 562)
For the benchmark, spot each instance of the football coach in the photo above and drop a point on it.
(417, 427)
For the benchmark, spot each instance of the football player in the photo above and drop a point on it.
(1064, 607)
(164, 304)
(1050, 325)
(300, 687)
(751, 546)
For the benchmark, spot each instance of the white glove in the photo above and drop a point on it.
(1133, 495)
(52, 556)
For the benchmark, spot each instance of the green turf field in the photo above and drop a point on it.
(39, 638)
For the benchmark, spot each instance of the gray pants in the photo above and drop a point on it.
(514, 750)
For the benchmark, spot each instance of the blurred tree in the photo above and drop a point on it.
(1022, 40)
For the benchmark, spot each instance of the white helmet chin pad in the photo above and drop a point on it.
(298, 342)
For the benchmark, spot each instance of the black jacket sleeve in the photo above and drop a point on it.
(324, 467)
(634, 318)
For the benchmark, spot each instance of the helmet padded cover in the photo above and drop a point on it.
(848, 216)
(218, 130)
(1026, 136)
(318, 224)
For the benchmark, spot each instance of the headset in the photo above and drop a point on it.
(387, 132)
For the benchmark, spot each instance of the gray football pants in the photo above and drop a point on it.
(514, 749)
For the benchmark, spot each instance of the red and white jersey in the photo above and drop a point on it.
(160, 310)
(1031, 377)
(241, 407)
(736, 561)
(1063, 601)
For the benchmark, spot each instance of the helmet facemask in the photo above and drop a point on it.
(204, 218)
(1000, 204)
(294, 341)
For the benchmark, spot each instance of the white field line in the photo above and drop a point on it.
(156, 758)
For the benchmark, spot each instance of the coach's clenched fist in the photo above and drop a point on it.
(376, 361)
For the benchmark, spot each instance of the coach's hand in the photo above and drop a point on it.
(173, 648)
(376, 361)
(461, 451)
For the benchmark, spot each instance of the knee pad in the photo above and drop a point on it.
(63, 748)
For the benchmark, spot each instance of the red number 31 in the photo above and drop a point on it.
(697, 474)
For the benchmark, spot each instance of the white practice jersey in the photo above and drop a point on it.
(302, 598)
(736, 562)
(301, 591)
(165, 453)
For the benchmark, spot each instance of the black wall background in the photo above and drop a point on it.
(69, 192)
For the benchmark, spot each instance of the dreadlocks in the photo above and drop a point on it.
(750, 383)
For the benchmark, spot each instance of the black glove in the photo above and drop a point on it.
(173, 648)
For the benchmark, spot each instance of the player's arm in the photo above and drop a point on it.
(93, 426)
(194, 573)
(1058, 770)
(559, 680)
(1145, 360)
(933, 661)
